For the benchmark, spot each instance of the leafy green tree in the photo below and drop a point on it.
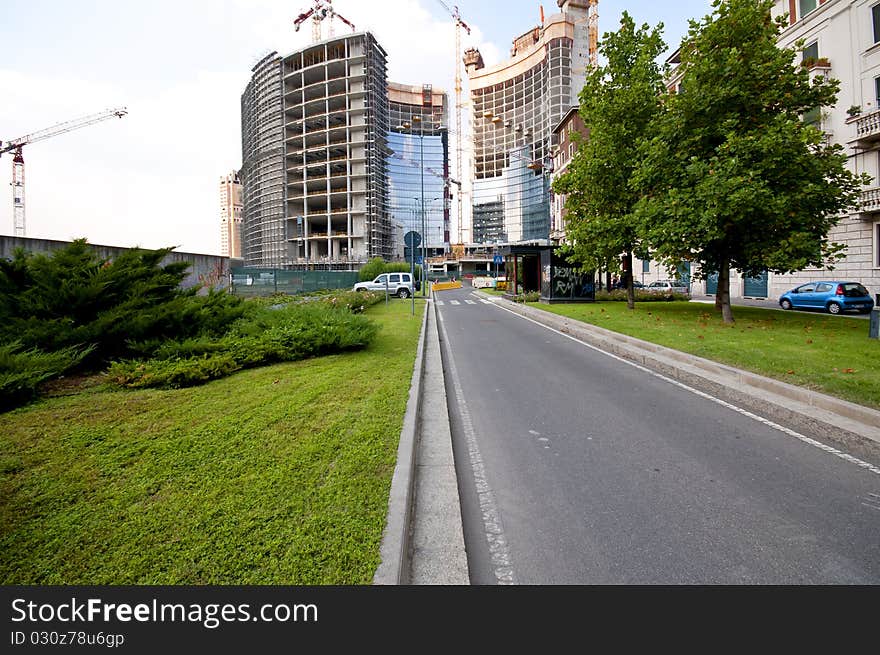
(734, 176)
(618, 104)
(369, 271)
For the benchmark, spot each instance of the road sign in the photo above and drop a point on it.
(498, 260)
(412, 239)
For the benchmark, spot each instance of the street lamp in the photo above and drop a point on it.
(418, 119)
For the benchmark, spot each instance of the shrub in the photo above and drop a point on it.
(289, 333)
(22, 371)
(531, 296)
(374, 267)
(122, 308)
(172, 373)
(642, 296)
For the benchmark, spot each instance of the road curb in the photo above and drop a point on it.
(395, 548)
(847, 423)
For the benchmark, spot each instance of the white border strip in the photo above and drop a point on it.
(500, 554)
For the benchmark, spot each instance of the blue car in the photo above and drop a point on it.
(832, 296)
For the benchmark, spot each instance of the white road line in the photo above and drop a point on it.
(740, 410)
(486, 302)
(471, 302)
(454, 302)
(500, 554)
(440, 303)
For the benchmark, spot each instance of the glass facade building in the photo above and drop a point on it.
(418, 165)
(515, 106)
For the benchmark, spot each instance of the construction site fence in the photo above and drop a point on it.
(250, 282)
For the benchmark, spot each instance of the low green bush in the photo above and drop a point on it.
(642, 296)
(291, 332)
(172, 373)
(23, 370)
(531, 296)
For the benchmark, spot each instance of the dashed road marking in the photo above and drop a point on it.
(454, 302)
(471, 302)
(440, 303)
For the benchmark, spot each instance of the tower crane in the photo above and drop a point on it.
(15, 146)
(322, 9)
(459, 23)
(593, 27)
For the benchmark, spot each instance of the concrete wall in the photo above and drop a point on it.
(208, 269)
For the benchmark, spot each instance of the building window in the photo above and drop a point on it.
(875, 15)
(877, 91)
(876, 245)
(806, 6)
(811, 52)
(646, 266)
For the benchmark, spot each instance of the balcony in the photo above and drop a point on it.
(867, 129)
(870, 201)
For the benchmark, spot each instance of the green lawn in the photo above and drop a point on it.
(832, 354)
(276, 475)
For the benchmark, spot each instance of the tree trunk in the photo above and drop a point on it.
(722, 296)
(628, 279)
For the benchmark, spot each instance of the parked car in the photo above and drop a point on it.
(398, 284)
(621, 284)
(667, 286)
(834, 296)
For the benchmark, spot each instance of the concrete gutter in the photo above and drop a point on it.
(846, 423)
(395, 549)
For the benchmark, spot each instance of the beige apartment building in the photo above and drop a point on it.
(230, 215)
(516, 104)
(840, 40)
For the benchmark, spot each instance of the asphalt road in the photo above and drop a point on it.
(576, 468)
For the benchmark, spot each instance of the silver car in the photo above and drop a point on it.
(668, 286)
(398, 284)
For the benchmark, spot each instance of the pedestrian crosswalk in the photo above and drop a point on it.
(463, 303)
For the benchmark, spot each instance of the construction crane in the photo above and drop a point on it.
(15, 146)
(459, 23)
(322, 9)
(593, 26)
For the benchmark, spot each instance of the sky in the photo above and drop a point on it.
(179, 67)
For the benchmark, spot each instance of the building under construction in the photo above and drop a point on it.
(314, 151)
(515, 106)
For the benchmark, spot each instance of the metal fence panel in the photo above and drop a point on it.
(249, 282)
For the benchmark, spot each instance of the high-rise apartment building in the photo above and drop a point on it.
(263, 236)
(315, 150)
(418, 165)
(230, 215)
(516, 104)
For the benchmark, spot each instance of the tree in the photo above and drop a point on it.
(734, 176)
(618, 103)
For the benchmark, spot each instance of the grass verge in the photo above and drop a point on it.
(831, 354)
(276, 475)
